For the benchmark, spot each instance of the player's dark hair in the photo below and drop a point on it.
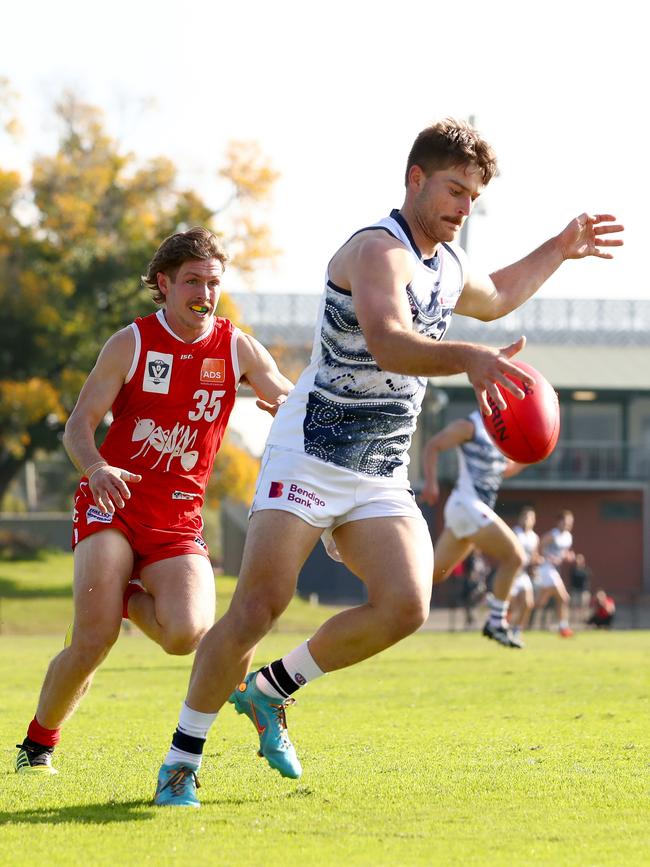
(451, 142)
(196, 244)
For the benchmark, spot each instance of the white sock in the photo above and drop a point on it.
(284, 676)
(498, 611)
(194, 724)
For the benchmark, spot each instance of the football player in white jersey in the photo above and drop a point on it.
(522, 595)
(337, 456)
(470, 519)
(556, 548)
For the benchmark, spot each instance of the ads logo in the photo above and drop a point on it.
(213, 371)
(276, 489)
(157, 372)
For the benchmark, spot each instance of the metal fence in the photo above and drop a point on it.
(578, 461)
(291, 318)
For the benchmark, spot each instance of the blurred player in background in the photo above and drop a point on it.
(556, 548)
(336, 458)
(470, 519)
(522, 595)
(170, 379)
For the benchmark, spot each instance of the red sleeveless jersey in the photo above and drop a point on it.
(170, 416)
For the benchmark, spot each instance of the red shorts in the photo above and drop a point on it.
(149, 544)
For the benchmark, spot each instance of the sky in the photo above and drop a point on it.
(336, 92)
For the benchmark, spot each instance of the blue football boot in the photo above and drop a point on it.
(268, 717)
(177, 785)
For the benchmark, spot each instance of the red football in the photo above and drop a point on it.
(527, 430)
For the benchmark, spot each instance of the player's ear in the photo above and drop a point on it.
(163, 282)
(416, 176)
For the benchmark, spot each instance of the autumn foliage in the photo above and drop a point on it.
(74, 238)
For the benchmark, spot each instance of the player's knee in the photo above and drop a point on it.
(91, 649)
(256, 613)
(182, 638)
(408, 613)
(517, 558)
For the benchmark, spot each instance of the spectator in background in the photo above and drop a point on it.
(474, 571)
(604, 610)
(580, 584)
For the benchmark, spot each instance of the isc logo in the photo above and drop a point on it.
(213, 370)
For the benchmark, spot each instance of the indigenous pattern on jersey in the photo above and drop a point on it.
(560, 542)
(529, 541)
(344, 409)
(170, 416)
(480, 464)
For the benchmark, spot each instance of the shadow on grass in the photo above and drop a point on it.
(83, 814)
(13, 590)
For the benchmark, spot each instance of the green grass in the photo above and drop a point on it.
(446, 749)
(36, 598)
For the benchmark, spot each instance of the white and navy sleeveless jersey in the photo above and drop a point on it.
(480, 464)
(561, 541)
(346, 411)
(529, 541)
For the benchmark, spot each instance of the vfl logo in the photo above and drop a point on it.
(157, 372)
(299, 678)
(213, 371)
(276, 489)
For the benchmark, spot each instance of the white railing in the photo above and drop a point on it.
(618, 322)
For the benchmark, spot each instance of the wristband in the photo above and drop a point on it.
(92, 469)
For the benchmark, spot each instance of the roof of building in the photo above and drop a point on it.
(624, 368)
(575, 342)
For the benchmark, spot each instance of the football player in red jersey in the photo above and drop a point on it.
(170, 380)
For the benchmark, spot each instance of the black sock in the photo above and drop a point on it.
(279, 678)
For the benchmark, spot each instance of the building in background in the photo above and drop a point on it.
(596, 353)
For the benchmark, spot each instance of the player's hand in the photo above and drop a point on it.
(584, 236)
(271, 407)
(430, 493)
(487, 371)
(109, 487)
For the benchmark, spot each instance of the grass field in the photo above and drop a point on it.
(446, 749)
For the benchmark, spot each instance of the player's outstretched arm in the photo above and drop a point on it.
(257, 367)
(490, 297)
(453, 435)
(108, 484)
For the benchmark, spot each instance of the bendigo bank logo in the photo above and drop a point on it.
(302, 496)
(213, 371)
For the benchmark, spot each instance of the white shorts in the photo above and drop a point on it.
(548, 576)
(325, 495)
(464, 515)
(521, 584)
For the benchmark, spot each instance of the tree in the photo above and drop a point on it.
(73, 239)
(235, 474)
